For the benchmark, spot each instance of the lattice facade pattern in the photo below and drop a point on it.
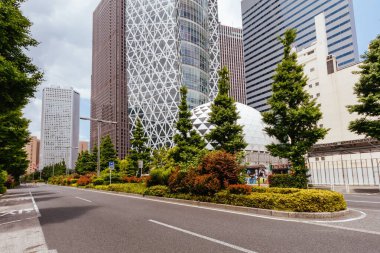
(167, 46)
(214, 29)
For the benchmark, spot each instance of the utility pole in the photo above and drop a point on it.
(99, 122)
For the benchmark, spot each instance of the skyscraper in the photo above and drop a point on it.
(232, 56)
(109, 82)
(264, 21)
(169, 43)
(59, 127)
(33, 154)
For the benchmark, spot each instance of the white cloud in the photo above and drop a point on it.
(64, 29)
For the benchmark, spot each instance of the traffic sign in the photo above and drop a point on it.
(111, 165)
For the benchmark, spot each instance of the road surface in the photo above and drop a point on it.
(75, 220)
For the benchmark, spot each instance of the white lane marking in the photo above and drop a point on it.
(362, 216)
(14, 212)
(204, 237)
(15, 221)
(35, 205)
(361, 201)
(235, 212)
(84, 199)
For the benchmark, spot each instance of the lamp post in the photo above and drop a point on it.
(99, 121)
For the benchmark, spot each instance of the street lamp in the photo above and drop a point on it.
(99, 121)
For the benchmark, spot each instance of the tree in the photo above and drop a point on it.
(14, 135)
(227, 134)
(368, 93)
(293, 119)
(139, 151)
(107, 152)
(85, 163)
(19, 78)
(57, 169)
(188, 142)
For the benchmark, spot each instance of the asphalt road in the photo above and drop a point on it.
(75, 220)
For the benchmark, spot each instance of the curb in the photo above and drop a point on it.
(267, 212)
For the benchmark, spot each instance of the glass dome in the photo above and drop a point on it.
(250, 119)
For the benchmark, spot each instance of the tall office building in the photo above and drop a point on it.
(232, 56)
(264, 21)
(83, 146)
(108, 82)
(169, 43)
(59, 127)
(33, 154)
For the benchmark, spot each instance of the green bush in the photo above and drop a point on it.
(158, 177)
(158, 190)
(3, 179)
(128, 188)
(287, 181)
(73, 181)
(275, 190)
(98, 181)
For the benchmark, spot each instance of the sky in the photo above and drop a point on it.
(64, 30)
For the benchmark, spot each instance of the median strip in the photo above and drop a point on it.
(204, 237)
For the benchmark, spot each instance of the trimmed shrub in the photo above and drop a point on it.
(207, 184)
(3, 179)
(128, 188)
(157, 190)
(158, 177)
(10, 183)
(98, 181)
(275, 190)
(223, 165)
(132, 179)
(73, 181)
(239, 189)
(287, 181)
(83, 181)
(178, 182)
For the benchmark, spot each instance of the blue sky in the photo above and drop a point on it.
(64, 28)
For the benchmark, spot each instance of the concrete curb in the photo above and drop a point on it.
(267, 212)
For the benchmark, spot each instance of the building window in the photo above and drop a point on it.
(318, 95)
(312, 69)
(317, 84)
(310, 86)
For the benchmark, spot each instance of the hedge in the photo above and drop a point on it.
(287, 181)
(282, 199)
(298, 201)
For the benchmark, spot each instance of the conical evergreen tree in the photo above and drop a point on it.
(188, 142)
(107, 152)
(368, 92)
(139, 151)
(293, 119)
(227, 134)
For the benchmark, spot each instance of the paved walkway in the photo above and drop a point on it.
(20, 229)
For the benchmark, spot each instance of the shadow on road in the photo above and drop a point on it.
(63, 214)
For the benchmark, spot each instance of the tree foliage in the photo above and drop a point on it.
(107, 153)
(19, 78)
(140, 150)
(85, 163)
(227, 134)
(188, 143)
(14, 135)
(368, 93)
(57, 169)
(293, 119)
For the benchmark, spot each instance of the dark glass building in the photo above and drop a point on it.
(264, 21)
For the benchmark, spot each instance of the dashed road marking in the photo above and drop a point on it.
(84, 199)
(204, 237)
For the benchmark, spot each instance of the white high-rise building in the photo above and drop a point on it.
(59, 127)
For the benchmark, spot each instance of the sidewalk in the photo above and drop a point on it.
(20, 229)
